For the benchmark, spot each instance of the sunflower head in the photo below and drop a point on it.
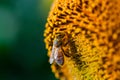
(89, 31)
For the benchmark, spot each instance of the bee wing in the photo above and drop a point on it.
(58, 56)
(52, 55)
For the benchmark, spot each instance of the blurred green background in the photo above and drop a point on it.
(22, 50)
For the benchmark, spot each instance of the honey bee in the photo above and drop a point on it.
(57, 53)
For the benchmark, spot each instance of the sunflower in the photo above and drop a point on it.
(93, 27)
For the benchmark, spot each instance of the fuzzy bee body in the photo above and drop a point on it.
(59, 57)
(57, 54)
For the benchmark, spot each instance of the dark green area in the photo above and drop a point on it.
(22, 50)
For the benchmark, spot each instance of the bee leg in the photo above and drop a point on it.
(66, 52)
(67, 43)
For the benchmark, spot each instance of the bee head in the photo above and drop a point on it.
(60, 35)
(58, 39)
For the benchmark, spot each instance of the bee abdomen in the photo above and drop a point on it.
(60, 60)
